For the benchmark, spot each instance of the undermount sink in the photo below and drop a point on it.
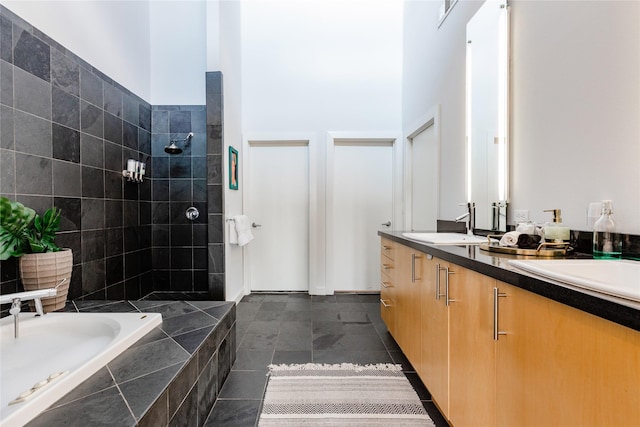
(446, 238)
(619, 278)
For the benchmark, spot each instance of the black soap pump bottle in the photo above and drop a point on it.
(607, 244)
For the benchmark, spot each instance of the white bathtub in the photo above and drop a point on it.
(76, 343)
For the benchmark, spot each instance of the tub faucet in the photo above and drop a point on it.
(16, 302)
(469, 216)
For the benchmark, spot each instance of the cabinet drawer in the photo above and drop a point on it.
(387, 265)
(387, 310)
(386, 282)
(387, 248)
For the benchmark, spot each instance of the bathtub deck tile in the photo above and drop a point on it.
(142, 392)
(156, 334)
(100, 409)
(144, 359)
(168, 311)
(99, 381)
(113, 307)
(148, 371)
(204, 305)
(190, 341)
(217, 312)
(187, 322)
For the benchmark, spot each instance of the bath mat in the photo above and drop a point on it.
(341, 395)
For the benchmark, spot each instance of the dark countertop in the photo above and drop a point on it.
(496, 265)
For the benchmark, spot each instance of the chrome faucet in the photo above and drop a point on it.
(17, 298)
(469, 216)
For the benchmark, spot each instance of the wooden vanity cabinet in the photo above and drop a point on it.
(387, 284)
(472, 348)
(409, 280)
(559, 366)
(458, 352)
(433, 365)
(498, 355)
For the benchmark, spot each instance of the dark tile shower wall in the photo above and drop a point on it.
(215, 192)
(179, 182)
(66, 131)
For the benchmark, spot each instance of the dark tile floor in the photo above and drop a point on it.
(298, 328)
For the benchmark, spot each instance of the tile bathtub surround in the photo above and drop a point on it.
(66, 131)
(171, 376)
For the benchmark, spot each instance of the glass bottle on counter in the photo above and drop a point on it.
(607, 244)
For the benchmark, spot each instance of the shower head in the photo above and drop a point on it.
(173, 148)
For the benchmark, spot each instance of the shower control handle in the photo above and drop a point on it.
(192, 213)
(254, 225)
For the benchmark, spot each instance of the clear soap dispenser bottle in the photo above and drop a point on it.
(607, 244)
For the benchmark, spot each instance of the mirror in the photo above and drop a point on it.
(487, 75)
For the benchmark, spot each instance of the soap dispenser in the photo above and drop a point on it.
(555, 231)
(606, 243)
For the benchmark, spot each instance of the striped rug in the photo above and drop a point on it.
(341, 395)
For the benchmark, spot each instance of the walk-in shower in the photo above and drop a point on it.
(173, 148)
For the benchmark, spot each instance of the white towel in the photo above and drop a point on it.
(510, 239)
(526, 228)
(529, 228)
(233, 234)
(242, 230)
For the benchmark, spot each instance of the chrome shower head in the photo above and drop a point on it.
(173, 148)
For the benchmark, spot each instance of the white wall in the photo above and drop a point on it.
(575, 130)
(321, 65)
(156, 49)
(576, 109)
(317, 67)
(112, 36)
(178, 52)
(227, 41)
(434, 73)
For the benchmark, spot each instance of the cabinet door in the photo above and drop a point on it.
(409, 280)
(433, 367)
(471, 348)
(558, 366)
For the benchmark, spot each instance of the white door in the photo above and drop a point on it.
(424, 180)
(362, 201)
(278, 205)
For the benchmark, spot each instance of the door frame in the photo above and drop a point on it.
(334, 138)
(430, 118)
(275, 140)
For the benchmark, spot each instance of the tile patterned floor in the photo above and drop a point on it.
(298, 328)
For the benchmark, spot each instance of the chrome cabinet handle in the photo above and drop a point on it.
(446, 286)
(496, 332)
(386, 248)
(384, 303)
(437, 282)
(386, 267)
(413, 267)
(438, 294)
(385, 284)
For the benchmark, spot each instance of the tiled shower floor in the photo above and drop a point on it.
(298, 328)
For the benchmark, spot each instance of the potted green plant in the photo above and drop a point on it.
(31, 237)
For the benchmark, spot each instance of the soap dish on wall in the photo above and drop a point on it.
(545, 249)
